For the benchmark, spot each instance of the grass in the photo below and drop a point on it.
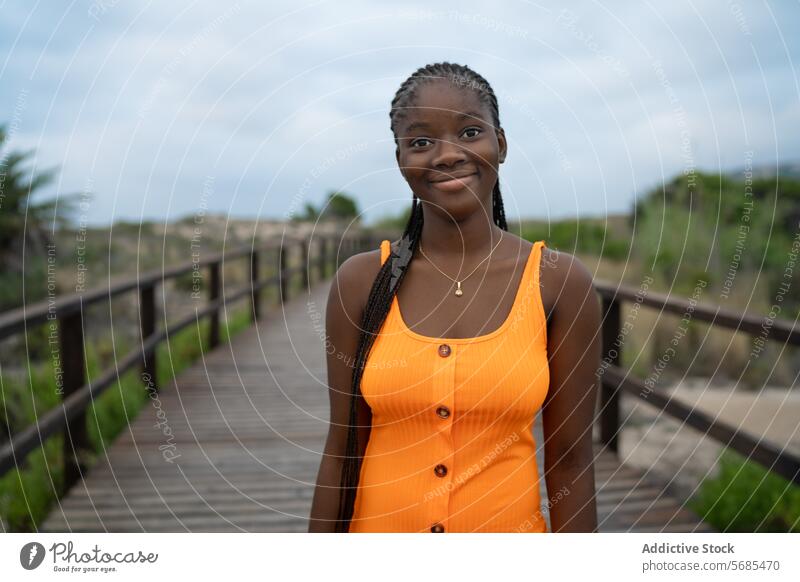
(28, 492)
(746, 497)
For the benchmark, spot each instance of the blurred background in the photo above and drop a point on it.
(657, 143)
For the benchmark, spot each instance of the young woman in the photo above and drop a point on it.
(445, 344)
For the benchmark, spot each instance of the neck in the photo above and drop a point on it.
(476, 235)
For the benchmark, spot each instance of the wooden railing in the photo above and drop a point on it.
(615, 380)
(70, 416)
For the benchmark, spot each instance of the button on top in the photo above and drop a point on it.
(437, 528)
(444, 350)
(440, 470)
(443, 412)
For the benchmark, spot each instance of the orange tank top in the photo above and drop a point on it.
(451, 447)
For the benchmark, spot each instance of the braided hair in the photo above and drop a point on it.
(393, 270)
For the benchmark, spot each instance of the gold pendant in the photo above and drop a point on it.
(459, 292)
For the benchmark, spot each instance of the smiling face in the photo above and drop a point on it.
(449, 150)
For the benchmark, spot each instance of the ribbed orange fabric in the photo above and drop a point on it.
(451, 446)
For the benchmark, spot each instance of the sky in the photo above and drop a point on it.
(162, 110)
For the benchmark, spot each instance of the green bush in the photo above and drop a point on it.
(746, 497)
(690, 228)
(28, 492)
(586, 236)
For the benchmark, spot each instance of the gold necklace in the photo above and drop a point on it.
(459, 292)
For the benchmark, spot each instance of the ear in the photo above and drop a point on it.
(502, 145)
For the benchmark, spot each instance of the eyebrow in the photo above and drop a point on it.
(459, 117)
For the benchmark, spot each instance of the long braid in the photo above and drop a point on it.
(498, 211)
(393, 271)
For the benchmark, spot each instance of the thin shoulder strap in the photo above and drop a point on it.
(386, 250)
(538, 251)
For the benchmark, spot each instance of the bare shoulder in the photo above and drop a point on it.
(353, 280)
(564, 280)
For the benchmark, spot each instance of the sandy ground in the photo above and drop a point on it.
(683, 455)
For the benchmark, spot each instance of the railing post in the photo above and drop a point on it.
(333, 248)
(323, 257)
(319, 259)
(340, 248)
(255, 300)
(330, 255)
(304, 257)
(282, 298)
(609, 395)
(76, 438)
(147, 315)
(213, 295)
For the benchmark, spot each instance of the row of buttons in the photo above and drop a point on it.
(443, 412)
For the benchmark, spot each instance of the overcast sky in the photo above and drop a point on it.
(162, 109)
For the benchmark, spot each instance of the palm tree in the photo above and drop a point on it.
(23, 222)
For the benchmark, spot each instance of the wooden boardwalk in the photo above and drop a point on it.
(248, 426)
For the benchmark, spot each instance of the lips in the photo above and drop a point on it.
(455, 183)
(454, 176)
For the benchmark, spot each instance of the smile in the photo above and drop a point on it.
(454, 184)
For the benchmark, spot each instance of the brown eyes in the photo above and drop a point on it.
(418, 142)
(478, 129)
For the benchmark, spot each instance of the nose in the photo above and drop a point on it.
(447, 154)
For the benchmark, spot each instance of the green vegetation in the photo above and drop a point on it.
(708, 226)
(28, 492)
(337, 206)
(593, 236)
(393, 222)
(746, 497)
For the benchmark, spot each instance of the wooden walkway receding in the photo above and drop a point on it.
(248, 424)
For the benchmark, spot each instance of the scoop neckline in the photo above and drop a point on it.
(487, 336)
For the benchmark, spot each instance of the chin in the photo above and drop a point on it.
(455, 206)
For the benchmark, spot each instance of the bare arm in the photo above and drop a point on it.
(343, 314)
(573, 345)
